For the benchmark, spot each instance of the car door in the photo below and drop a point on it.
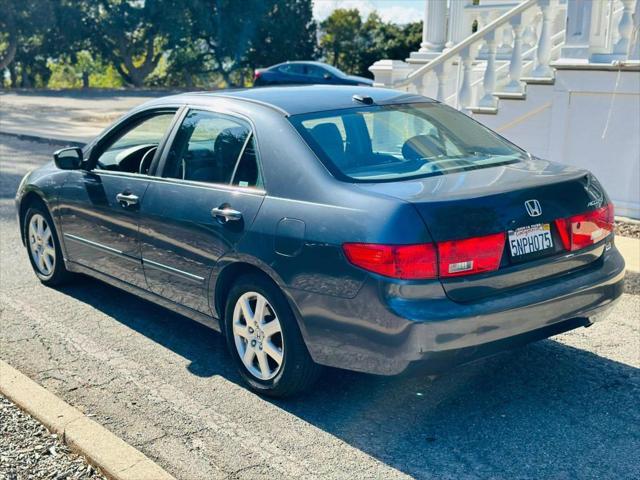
(100, 204)
(293, 73)
(319, 75)
(207, 198)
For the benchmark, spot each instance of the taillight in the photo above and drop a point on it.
(471, 255)
(256, 75)
(426, 261)
(398, 261)
(586, 229)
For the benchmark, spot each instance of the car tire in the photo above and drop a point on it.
(43, 247)
(255, 339)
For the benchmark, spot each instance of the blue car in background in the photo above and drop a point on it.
(305, 73)
(352, 227)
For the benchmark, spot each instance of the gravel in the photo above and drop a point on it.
(29, 451)
(628, 229)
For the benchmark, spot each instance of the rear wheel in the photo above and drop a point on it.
(43, 247)
(264, 340)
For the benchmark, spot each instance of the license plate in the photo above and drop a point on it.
(532, 239)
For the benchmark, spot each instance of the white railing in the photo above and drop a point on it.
(465, 56)
(557, 40)
(464, 53)
(520, 43)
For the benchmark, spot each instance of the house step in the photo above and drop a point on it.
(539, 80)
(484, 110)
(511, 95)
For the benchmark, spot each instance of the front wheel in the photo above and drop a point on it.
(43, 247)
(264, 340)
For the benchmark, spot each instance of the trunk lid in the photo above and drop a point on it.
(491, 200)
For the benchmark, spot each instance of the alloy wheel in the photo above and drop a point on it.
(41, 246)
(258, 336)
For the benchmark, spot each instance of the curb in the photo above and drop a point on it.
(630, 250)
(49, 140)
(115, 458)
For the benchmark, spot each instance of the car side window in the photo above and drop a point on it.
(207, 147)
(316, 72)
(247, 172)
(292, 68)
(132, 150)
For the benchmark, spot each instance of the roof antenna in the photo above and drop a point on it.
(363, 99)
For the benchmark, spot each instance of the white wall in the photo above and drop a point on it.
(587, 118)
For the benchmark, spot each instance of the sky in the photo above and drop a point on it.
(396, 11)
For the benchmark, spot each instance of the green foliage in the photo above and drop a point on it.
(131, 35)
(342, 39)
(286, 31)
(353, 45)
(85, 71)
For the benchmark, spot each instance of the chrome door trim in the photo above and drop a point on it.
(99, 246)
(189, 183)
(174, 271)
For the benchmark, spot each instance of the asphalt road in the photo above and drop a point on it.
(561, 408)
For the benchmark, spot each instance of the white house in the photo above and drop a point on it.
(561, 78)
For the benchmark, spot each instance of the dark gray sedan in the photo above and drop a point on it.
(350, 227)
(305, 73)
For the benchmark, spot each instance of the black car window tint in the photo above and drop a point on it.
(206, 148)
(127, 150)
(293, 68)
(316, 72)
(395, 142)
(247, 172)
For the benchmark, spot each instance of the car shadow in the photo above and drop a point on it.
(547, 410)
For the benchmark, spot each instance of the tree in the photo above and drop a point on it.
(131, 34)
(342, 38)
(223, 31)
(354, 46)
(286, 31)
(28, 29)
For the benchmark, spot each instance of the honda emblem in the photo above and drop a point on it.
(533, 208)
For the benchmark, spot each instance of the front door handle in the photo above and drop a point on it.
(226, 214)
(127, 199)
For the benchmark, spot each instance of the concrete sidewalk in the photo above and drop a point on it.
(66, 116)
(630, 250)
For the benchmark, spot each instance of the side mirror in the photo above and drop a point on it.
(326, 76)
(68, 158)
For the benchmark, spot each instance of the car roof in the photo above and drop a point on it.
(305, 62)
(295, 100)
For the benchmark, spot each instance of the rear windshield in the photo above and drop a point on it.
(395, 142)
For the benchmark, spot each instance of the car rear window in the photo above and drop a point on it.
(394, 142)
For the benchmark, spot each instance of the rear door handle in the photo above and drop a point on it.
(226, 214)
(126, 199)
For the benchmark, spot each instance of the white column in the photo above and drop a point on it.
(576, 44)
(625, 28)
(465, 95)
(458, 29)
(543, 52)
(388, 72)
(441, 79)
(635, 35)
(434, 27)
(515, 64)
(489, 81)
(504, 49)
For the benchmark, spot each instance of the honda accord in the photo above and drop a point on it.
(353, 227)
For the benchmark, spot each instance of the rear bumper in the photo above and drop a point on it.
(389, 326)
